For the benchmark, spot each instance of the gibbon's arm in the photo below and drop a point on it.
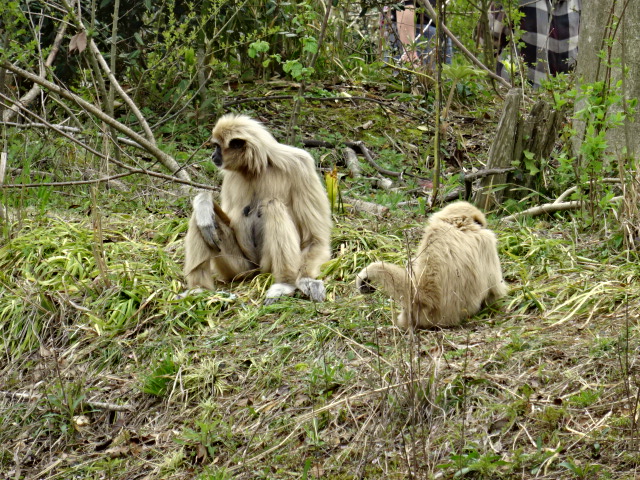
(390, 278)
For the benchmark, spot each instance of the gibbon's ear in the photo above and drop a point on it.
(255, 156)
(237, 143)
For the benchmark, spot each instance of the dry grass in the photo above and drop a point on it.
(107, 376)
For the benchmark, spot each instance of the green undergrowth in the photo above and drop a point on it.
(102, 369)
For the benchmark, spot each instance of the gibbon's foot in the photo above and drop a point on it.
(189, 292)
(314, 289)
(362, 283)
(197, 291)
(278, 290)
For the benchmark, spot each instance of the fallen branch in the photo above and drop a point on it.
(552, 208)
(351, 160)
(364, 151)
(267, 98)
(469, 178)
(368, 207)
(67, 128)
(570, 190)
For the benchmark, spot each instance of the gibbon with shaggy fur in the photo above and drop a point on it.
(274, 215)
(454, 272)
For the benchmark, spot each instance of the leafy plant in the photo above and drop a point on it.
(159, 380)
(471, 461)
(588, 470)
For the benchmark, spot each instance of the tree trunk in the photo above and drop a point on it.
(501, 152)
(626, 49)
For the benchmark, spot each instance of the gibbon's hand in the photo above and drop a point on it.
(314, 289)
(362, 283)
(206, 219)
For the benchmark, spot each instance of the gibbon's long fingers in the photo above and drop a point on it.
(314, 289)
(278, 290)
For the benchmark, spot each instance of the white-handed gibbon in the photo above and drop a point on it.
(455, 271)
(274, 215)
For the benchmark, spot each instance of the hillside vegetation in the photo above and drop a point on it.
(106, 374)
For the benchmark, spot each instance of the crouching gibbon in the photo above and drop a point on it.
(274, 215)
(454, 272)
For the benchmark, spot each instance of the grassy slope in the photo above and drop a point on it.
(104, 375)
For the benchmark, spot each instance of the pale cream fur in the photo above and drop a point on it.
(455, 271)
(279, 212)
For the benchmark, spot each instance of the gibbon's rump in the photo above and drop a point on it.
(274, 215)
(454, 272)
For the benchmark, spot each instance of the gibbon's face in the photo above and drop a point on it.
(228, 156)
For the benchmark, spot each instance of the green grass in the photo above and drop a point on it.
(219, 386)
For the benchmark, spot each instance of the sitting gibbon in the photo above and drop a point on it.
(454, 272)
(274, 215)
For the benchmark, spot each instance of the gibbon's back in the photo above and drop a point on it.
(458, 258)
(454, 271)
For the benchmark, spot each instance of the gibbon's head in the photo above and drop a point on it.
(241, 144)
(460, 214)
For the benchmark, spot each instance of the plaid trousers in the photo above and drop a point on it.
(550, 36)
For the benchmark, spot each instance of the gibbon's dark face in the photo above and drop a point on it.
(222, 157)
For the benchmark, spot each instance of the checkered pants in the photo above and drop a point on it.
(550, 38)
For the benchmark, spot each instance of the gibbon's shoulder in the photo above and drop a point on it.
(461, 215)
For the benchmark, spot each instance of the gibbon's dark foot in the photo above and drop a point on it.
(314, 289)
(277, 291)
(362, 283)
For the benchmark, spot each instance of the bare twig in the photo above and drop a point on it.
(113, 81)
(33, 93)
(168, 161)
(66, 128)
(3, 166)
(570, 190)
(100, 155)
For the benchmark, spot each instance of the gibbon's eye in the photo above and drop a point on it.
(237, 143)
